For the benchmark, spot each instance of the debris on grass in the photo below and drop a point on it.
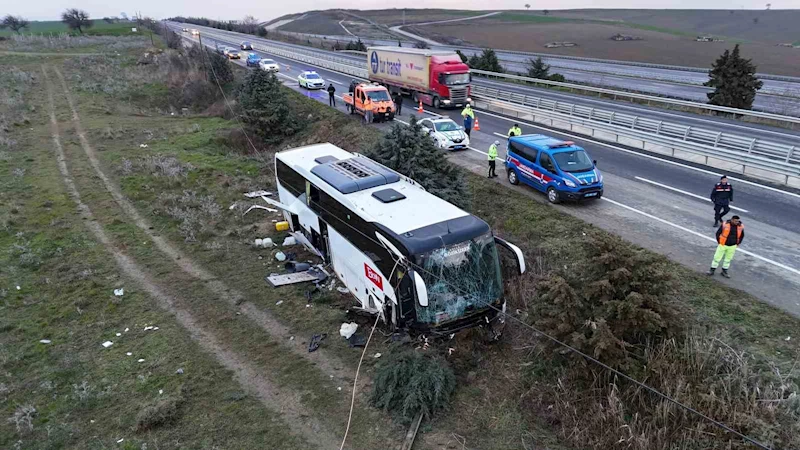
(129, 354)
(119, 292)
(279, 302)
(316, 341)
(179, 371)
(348, 329)
(289, 241)
(141, 360)
(45, 341)
(107, 344)
(255, 194)
(280, 256)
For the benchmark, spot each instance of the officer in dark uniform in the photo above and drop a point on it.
(722, 196)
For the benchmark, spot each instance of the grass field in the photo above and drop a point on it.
(100, 27)
(166, 190)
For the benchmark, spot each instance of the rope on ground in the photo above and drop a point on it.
(355, 382)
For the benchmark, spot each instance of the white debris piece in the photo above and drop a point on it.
(788, 338)
(18, 288)
(179, 371)
(155, 328)
(339, 388)
(119, 292)
(141, 360)
(232, 207)
(279, 302)
(289, 241)
(45, 341)
(308, 306)
(255, 194)
(280, 256)
(148, 328)
(107, 344)
(377, 355)
(160, 391)
(267, 242)
(119, 334)
(120, 441)
(142, 145)
(342, 290)
(126, 329)
(258, 242)
(129, 354)
(348, 329)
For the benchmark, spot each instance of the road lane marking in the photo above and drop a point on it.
(685, 193)
(700, 235)
(644, 155)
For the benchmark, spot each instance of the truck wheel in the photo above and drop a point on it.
(552, 195)
(414, 97)
(512, 177)
(436, 102)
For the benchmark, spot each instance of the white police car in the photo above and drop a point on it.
(446, 133)
(310, 80)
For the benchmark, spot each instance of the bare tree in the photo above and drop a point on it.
(250, 24)
(527, 6)
(769, 5)
(546, 12)
(76, 19)
(16, 23)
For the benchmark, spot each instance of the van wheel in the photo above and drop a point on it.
(512, 177)
(552, 195)
(436, 102)
(350, 109)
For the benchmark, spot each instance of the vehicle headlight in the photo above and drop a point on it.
(600, 178)
(569, 183)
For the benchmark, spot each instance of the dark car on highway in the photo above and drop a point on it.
(246, 45)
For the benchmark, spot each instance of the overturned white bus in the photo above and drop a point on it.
(415, 259)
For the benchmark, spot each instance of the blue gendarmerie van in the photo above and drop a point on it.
(558, 168)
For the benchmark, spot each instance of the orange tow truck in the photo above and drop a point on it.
(374, 97)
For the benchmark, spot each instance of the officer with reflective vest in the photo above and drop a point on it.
(515, 131)
(722, 196)
(469, 117)
(493, 158)
(729, 236)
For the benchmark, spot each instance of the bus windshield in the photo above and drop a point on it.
(461, 278)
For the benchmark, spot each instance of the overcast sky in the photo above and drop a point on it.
(269, 9)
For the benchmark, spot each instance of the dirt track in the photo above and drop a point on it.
(288, 403)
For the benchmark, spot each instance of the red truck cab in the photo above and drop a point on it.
(449, 84)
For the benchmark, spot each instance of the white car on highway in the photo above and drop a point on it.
(310, 80)
(446, 133)
(269, 65)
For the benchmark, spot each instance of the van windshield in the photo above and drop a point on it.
(378, 96)
(461, 278)
(573, 161)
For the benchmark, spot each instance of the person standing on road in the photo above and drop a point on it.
(493, 159)
(729, 236)
(722, 196)
(367, 109)
(398, 103)
(469, 117)
(331, 92)
(515, 131)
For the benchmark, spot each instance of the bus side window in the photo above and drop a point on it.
(312, 194)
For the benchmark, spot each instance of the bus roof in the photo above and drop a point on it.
(417, 210)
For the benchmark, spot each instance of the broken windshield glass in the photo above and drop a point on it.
(460, 278)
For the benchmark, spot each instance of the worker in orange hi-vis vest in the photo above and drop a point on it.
(729, 236)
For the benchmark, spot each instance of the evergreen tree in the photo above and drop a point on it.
(734, 81)
(486, 61)
(410, 151)
(538, 69)
(265, 107)
(219, 68)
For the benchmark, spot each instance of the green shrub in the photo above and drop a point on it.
(158, 414)
(408, 382)
(410, 151)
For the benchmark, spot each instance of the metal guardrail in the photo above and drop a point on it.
(756, 153)
(767, 156)
(649, 98)
(793, 121)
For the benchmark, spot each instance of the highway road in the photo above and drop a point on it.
(783, 96)
(778, 104)
(655, 202)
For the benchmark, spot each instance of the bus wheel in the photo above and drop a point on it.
(436, 102)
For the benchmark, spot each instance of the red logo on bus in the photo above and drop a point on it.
(373, 276)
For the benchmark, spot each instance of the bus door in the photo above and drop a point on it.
(320, 241)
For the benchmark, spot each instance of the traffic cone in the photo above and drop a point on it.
(477, 127)
(419, 108)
